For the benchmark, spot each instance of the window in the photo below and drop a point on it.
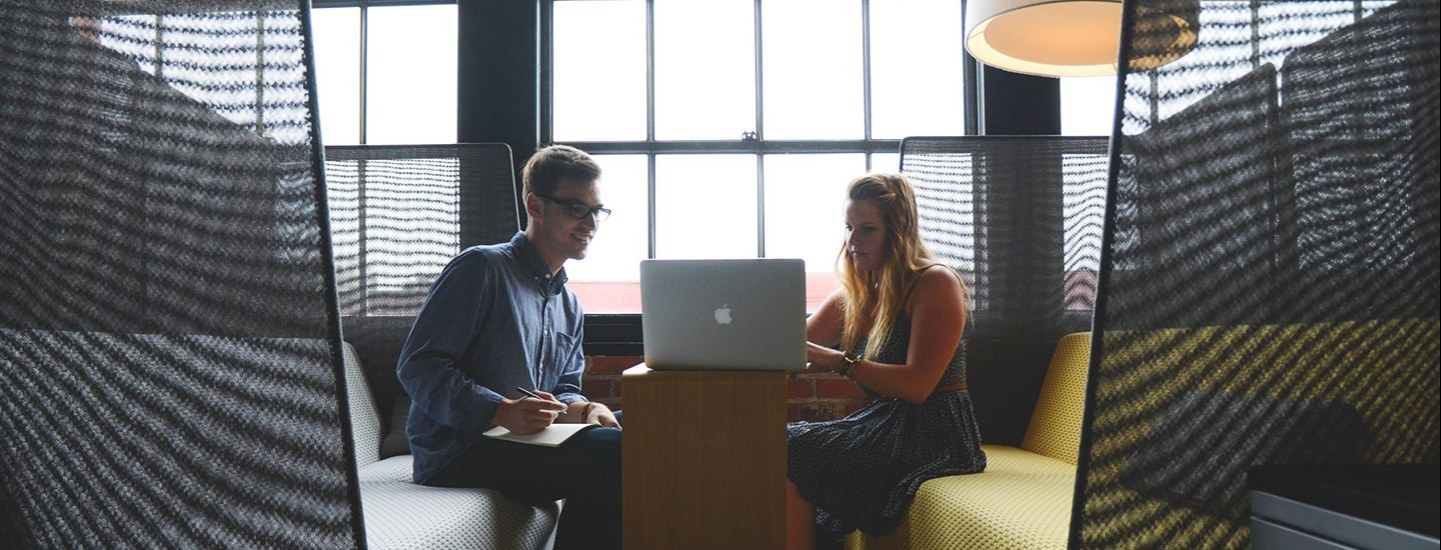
(386, 74)
(730, 128)
(1087, 108)
(1088, 104)
(179, 50)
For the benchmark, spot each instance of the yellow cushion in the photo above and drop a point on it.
(1021, 501)
(1368, 364)
(898, 540)
(1055, 428)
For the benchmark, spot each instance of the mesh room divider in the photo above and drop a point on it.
(1020, 218)
(1269, 281)
(399, 213)
(170, 371)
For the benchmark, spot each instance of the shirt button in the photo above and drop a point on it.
(547, 275)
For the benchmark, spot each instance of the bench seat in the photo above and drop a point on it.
(1023, 499)
(402, 515)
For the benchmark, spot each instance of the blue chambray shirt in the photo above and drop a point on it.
(495, 320)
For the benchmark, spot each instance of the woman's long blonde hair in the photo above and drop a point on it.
(883, 291)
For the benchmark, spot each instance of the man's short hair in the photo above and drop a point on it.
(550, 165)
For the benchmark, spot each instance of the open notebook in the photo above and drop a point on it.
(551, 436)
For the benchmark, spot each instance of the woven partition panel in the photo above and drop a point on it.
(1021, 219)
(1270, 288)
(398, 214)
(169, 355)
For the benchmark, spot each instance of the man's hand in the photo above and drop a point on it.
(527, 415)
(599, 414)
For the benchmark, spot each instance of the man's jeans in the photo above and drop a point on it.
(585, 471)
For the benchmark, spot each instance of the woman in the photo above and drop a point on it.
(897, 322)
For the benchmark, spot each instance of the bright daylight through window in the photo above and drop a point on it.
(739, 140)
(387, 74)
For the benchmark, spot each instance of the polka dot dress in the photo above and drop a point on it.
(862, 471)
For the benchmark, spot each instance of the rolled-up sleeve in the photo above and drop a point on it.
(428, 370)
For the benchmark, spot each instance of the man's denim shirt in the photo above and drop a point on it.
(496, 320)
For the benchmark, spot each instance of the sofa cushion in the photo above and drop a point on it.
(401, 514)
(396, 441)
(364, 418)
(378, 340)
(1022, 500)
(1055, 427)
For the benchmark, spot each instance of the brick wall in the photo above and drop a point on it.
(811, 397)
(602, 378)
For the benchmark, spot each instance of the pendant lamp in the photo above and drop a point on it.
(1076, 37)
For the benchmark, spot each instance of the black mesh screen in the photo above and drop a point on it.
(399, 213)
(1269, 288)
(169, 359)
(1021, 219)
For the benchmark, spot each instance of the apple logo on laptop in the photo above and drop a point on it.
(723, 314)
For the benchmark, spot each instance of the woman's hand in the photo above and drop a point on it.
(823, 359)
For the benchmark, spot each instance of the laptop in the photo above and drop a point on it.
(724, 314)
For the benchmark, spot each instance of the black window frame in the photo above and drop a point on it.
(504, 93)
(365, 5)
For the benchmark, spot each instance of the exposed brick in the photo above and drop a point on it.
(838, 388)
(795, 412)
(801, 388)
(852, 405)
(813, 411)
(596, 388)
(603, 364)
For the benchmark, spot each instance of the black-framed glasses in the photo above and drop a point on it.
(577, 209)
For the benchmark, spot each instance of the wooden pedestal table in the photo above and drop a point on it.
(704, 459)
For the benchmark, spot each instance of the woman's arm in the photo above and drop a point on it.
(938, 317)
(824, 326)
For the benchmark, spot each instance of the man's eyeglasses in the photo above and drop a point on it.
(577, 209)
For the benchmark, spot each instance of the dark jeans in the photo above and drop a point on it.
(585, 471)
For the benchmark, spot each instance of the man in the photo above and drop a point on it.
(500, 320)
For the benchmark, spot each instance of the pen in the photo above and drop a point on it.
(529, 393)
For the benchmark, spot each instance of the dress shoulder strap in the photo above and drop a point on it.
(915, 281)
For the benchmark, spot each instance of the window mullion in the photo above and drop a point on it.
(760, 134)
(866, 75)
(650, 125)
(260, 72)
(364, 62)
(546, 51)
(650, 204)
(760, 205)
(160, 46)
(650, 70)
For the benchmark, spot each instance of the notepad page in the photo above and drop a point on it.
(551, 436)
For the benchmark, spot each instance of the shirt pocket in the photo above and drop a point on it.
(560, 352)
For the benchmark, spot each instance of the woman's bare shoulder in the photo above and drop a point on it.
(938, 284)
(835, 303)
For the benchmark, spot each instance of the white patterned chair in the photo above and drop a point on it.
(400, 514)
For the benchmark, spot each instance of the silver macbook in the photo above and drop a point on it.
(724, 314)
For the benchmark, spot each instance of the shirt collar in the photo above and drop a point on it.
(530, 258)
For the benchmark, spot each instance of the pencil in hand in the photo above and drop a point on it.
(529, 393)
